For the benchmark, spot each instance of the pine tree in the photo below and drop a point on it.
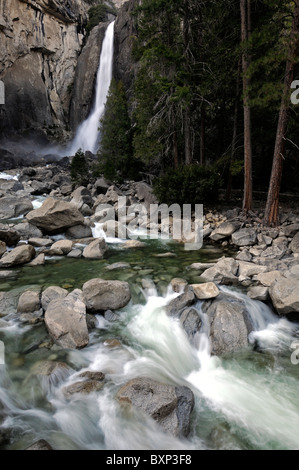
(79, 169)
(115, 152)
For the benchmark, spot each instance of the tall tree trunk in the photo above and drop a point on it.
(245, 8)
(187, 135)
(175, 142)
(272, 206)
(235, 134)
(202, 137)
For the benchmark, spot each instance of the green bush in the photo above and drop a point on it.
(190, 184)
(79, 169)
(97, 14)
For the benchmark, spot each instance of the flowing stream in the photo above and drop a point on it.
(87, 136)
(248, 400)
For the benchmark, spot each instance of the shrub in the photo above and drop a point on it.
(190, 184)
(79, 169)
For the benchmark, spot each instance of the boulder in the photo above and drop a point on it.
(175, 306)
(225, 230)
(66, 321)
(291, 230)
(178, 285)
(96, 249)
(83, 388)
(144, 193)
(244, 237)
(55, 216)
(224, 272)
(205, 291)
(190, 322)
(284, 294)
(40, 445)
(258, 293)
(29, 302)
(26, 231)
(168, 405)
(8, 235)
(20, 255)
(79, 231)
(52, 293)
(8, 302)
(38, 261)
(117, 266)
(76, 253)
(64, 245)
(250, 269)
(80, 197)
(230, 324)
(100, 295)
(40, 242)
(2, 248)
(133, 244)
(12, 206)
(267, 279)
(294, 245)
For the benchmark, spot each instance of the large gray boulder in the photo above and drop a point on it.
(230, 324)
(26, 231)
(66, 321)
(20, 255)
(9, 302)
(55, 216)
(294, 245)
(100, 295)
(52, 293)
(224, 272)
(284, 293)
(12, 206)
(225, 230)
(168, 405)
(96, 249)
(29, 302)
(9, 235)
(245, 237)
(79, 231)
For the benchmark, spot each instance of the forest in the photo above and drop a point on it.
(214, 103)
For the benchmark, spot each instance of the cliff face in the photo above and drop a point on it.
(40, 43)
(49, 76)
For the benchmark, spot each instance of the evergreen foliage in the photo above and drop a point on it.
(79, 169)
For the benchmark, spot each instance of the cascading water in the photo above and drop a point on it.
(87, 136)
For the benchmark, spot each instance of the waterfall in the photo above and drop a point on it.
(87, 136)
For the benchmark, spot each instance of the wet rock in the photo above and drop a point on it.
(111, 316)
(55, 216)
(133, 244)
(178, 285)
(11, 206)
(91, 321)
(52, 293)
(191, 322)
(29, 302)
(26, 231)
(205, 291)
(18, 256)
(225, 230)
(79, 231)
(202, 266)
(2, 248)
(116, 266)
(9, 302)
(40, 445)
(100, 295)
(38, 261)
(32, 318)
(83, 388)
(284, 294)
(68, 329)
(258, 293)
(91, 375)
(184, 300)
(76, 253)
(244, 237)
(96, 249)
(225, 272)
(112, 343)
(230, 324)
(64, 245)
(8, 235)
(169, 406)
(40, 242)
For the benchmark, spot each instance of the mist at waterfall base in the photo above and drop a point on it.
(87, 135)
(246, 401)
